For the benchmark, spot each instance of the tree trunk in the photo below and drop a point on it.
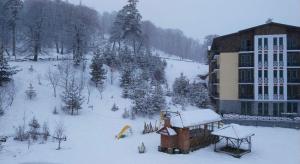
(14, 41)
(35, 53)
(62, 49)
(57, 47)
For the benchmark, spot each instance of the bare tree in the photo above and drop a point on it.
(53, 78)
(59, 134)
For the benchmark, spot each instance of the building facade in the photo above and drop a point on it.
(256, 71)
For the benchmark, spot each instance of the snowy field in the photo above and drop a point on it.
(91, 135)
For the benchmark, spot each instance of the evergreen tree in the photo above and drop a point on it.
(72, 97)
(126, 80)
(98, 73)
(127, 27)
(158, 101)
(34, 128)
(198, 95)
(180, 90)
(6, 71)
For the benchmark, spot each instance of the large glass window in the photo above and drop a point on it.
(281, 73)
(275, 57)
(265, 58)
(280, 41)
(266, 73)
(266, 43)
(275, 41)
(275, 74)
(281, 90)
(275, 90)
(266, 109)
(292, 108)
(266, 90)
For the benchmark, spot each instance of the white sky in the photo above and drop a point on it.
(197, 18)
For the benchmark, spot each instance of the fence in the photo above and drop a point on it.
(265, 121)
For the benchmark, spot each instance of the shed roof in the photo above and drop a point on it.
(194, 117)
(167, 131)
(233, 131)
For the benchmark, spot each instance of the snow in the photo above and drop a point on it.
(194, 117)
(171, 132)
(233, 131)
(91, 135)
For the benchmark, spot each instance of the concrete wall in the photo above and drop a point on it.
(229, 76)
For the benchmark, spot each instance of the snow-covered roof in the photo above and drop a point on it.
(167, 131)
(233, 131)
(194, 117)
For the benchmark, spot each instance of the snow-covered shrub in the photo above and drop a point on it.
(31, 68)
(142, 148)
(34, 128)
(125, 114)
(20, 133)
(55, 112)
(114, 108)
(30, 92)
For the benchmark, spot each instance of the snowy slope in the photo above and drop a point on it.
(91, 135)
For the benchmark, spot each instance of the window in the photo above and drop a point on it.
(266, 43)
(266, 91)
(275, 90)
(275, 74)
(259, 42)
(275, 57)
(281, 90)
(260, 90)
(275, 41)
(280, 41)
(275, 109)
(281, 73)
(259, 74)
(280, 57)
(260, 57)
(260, 109)
(265, 58)
(281, 108)
(246, 108)
(266, 73)
(266, 109)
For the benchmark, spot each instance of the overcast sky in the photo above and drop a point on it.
(197, 18)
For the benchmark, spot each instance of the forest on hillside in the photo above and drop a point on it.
(32, 27)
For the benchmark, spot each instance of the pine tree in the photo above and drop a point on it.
(98, 73)
(127, 26)
(198, 95)
(6, 71)
(180, 90)
(72, 97)
(34, 127)
(158, 101)
(126, 80)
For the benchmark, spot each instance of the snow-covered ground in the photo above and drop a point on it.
(91, 135)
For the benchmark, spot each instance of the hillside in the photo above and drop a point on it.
(91, 135)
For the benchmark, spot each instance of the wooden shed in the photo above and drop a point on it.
(187, 131)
